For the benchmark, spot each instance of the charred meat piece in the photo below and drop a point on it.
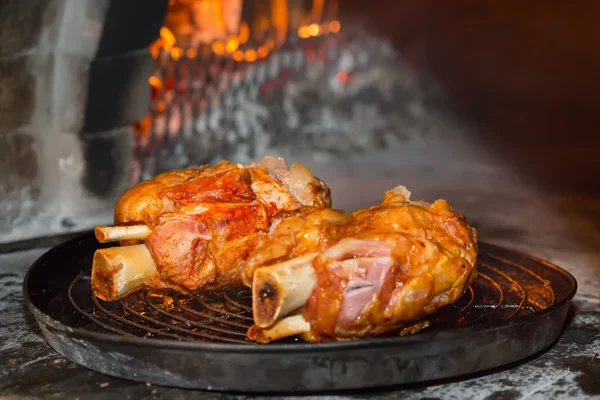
(194, 228)
(362, 274)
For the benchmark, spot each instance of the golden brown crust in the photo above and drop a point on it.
(380, 268)
(206, 221)
(306, 232)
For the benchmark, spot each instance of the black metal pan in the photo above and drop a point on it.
(516, 307)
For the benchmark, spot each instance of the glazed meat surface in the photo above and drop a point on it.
(377, 269)
(206, 221)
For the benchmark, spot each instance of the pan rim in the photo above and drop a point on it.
(298, 347)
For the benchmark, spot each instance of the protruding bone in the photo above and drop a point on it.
(282, 288)
(106, 234)
(289, 326)
(117, 271)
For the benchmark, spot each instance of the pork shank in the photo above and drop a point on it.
(329, 275)
(194, 228)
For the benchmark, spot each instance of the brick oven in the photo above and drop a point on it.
(490, 105)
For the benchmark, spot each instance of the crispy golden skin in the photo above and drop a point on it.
(378, 269)
(206, 221)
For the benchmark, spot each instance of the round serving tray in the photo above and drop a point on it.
(515, 308)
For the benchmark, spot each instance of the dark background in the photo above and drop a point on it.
(526, 72)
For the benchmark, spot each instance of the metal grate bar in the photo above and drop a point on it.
(502, 290)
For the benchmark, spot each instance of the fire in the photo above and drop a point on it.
(238, 55)
(176, 53)
(244, 33)
(262, 52)
(199, 34)
(168, 38)
(155, 82)
(221, 25)
(232, 45)
(303, 32)
(218, 48)
(194, 27)
(191, 53)
(334, 26)
(250, 56)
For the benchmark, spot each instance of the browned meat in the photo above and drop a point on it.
(204, 222)
(377, 269)
(305, 232)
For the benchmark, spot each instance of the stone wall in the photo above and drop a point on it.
(70, 82)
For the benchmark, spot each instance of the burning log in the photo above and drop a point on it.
(119, 270)
(106, 234)
(279, 289)
(290, 326)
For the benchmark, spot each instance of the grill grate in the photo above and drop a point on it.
(502, 291)
(213, 317)
(515, 308)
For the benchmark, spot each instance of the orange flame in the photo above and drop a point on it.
(273, 23)
(191, 53)
(155, 82)
(250, 55)
(317, 10)
(303, 32)
(334, 26)
(262, 52)
(314, 29)
(167, 37)
(218, 47)
(238, 55)
(232, 45)
(244, 33)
